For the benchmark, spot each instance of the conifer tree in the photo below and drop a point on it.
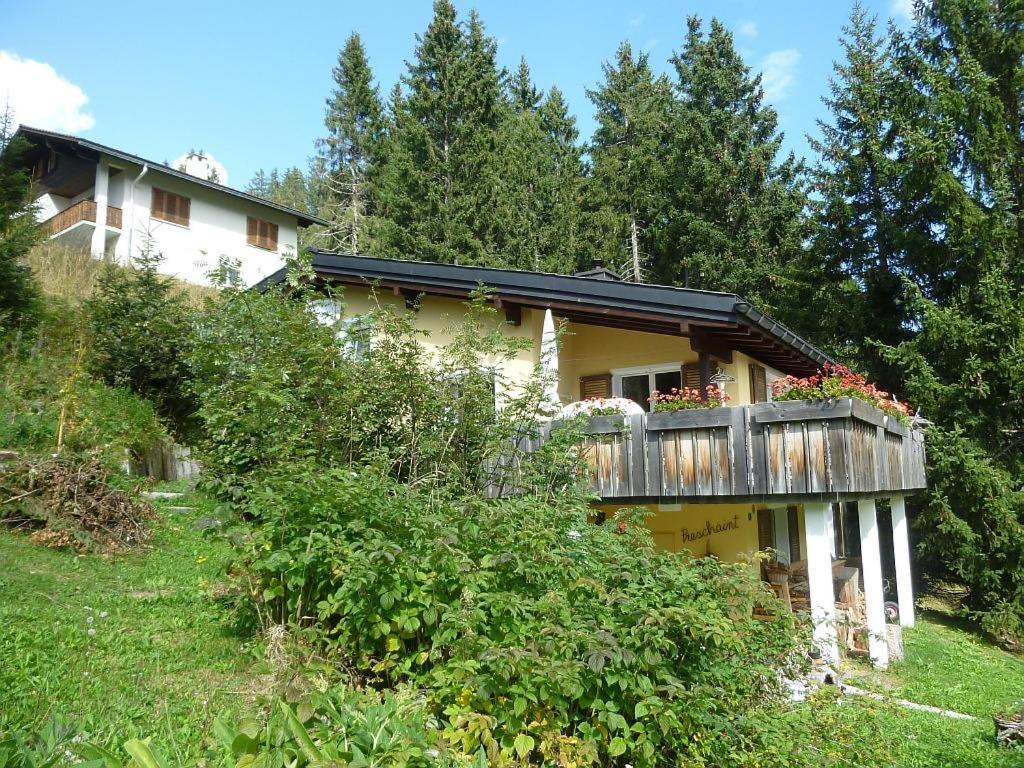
(736, 219)
(864, 232)
(19, 292)
(625, 191)
(961, 155)
(435, 171)
(353, 122)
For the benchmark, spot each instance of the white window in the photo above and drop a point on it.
(637, 384)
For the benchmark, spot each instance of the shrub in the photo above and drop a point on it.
(276, 386)
(140, 330)
(536, 634)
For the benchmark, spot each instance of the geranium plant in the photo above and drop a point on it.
(688, 398)
(833, 381)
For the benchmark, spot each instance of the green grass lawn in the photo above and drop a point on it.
(953, 668)
(130, 647)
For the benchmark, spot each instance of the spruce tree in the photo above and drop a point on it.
(353, 122)
(435, 170)
(961, 154)
(19, 293)
(736, 213)
(625, 190)
(864, 232)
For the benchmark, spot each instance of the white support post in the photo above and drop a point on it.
(817, 517)
(99, 234)
(901, 550)
(874, 593)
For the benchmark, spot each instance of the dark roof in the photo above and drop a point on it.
(29, 133)
(722, 319)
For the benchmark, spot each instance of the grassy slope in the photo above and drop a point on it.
(952, 668)
(162, 663)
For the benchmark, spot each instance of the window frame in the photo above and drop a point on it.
(153, 212)
(257, 241)
(651, 370)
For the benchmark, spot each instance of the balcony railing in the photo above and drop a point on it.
(838, 449)
(84, 210)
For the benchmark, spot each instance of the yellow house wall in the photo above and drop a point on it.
(439, 317)
(584, 350)
(733, 538)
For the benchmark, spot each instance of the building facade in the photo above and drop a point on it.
(803, 480)
(118, 205)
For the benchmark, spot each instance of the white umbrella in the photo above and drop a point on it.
(549, 363)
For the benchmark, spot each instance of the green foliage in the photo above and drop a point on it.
(276, 386)
(736, 218)
(140, 330)
(19, 293)
(48, 400)
(534, 632)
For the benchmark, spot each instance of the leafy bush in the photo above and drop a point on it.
(140, 331)
(48, 400)
(276, 386)
(536, 634)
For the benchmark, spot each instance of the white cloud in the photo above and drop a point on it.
(747, 29)
(778, 73)
(202, 165)
(39, 97)
(902, 9)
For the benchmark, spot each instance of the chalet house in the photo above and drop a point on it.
(804, 479)
(116, 204)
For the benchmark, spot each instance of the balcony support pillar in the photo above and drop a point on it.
(99, 234)
(874, 593)
(901, 550)
(817, 518)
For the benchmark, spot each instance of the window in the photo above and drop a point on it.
(356, 335)
(44, 165)
(637, 384)
(261, 234)
(170, 207)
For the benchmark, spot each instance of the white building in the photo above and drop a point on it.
(113, 203)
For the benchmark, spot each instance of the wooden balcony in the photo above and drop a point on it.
(84, 210)
(842, 449)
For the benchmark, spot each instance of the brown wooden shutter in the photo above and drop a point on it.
(158, 205)
(794, 535)
(252, 231)
(184, 210)
(758, 383)
(765, 530)
(599, 385)
(691, 375)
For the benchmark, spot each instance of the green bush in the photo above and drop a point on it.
(536, 634)
(140, 330)
(275, 386)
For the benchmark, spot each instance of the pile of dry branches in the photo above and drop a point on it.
(70, 503)
(1010, 728)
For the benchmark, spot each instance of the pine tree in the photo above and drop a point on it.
(960, 149)
(736, 220)
(537, 198)
(353, 123)
(435, 170)
(19, 293)
(864, 232)
(625, 191)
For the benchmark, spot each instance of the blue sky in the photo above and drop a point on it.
(246, 81)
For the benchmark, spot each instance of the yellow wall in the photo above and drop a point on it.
(733, 536)
(584, 349)
(438, 315)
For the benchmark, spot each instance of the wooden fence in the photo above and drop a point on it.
(841, 449)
